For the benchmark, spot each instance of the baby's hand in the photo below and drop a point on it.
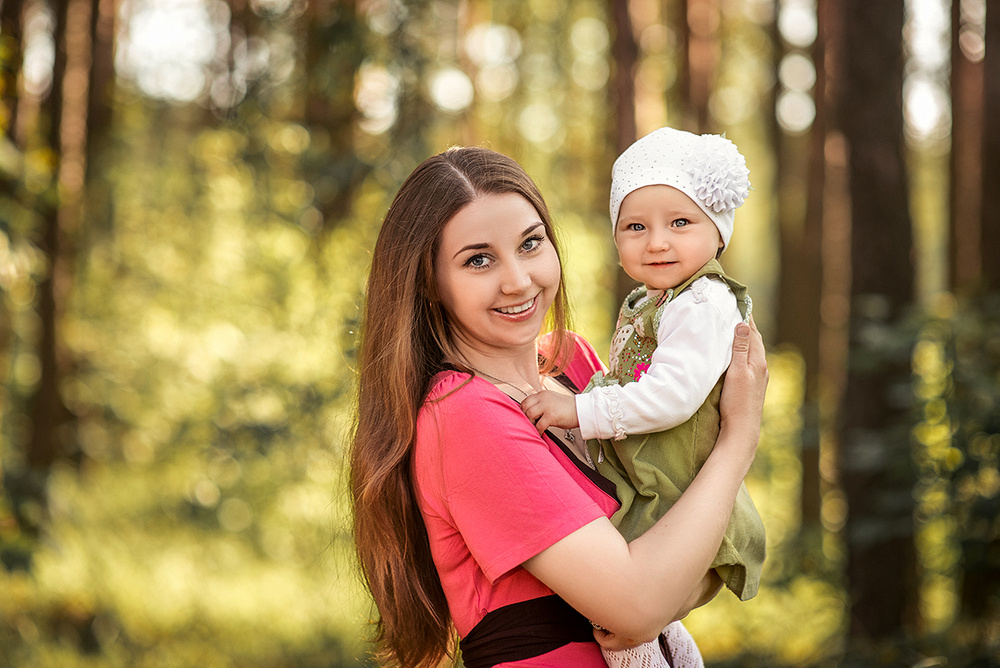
(550, 409)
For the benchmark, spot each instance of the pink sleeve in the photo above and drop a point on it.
(500, 485)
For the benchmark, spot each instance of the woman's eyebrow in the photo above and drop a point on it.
(484, 246)
(480, 246)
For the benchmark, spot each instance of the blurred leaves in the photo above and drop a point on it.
(200, 516)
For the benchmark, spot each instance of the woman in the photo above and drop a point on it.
(466, 519)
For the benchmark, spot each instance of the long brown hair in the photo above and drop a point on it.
(405, 341)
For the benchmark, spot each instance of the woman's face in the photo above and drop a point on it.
(497, 273)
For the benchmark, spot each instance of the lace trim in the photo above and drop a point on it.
(615, 411)
(646, 655)
(698, 289)
(749, 305)
(683, 651)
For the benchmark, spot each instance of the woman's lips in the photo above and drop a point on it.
(518, 309)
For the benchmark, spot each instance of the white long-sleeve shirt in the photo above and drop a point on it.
(694, 348)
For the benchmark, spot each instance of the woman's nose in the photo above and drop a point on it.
(515, 278)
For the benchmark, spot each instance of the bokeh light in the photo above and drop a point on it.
(795, 111)
(451, 89)
(376, 93)
(166, 45)
(797, 22)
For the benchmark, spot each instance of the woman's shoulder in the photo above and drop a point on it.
(445, 382)
(580, 360)
(453, 390)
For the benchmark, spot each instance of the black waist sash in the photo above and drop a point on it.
(524, 630)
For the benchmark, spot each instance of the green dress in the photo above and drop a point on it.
(650, 471)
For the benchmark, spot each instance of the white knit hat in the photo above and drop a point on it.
(707, 168)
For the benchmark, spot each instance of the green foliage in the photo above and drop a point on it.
(200, 516)
(957, 367)
(768, 630)
(206, 523)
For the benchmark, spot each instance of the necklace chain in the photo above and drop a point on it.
(499, 380)
(568, 433)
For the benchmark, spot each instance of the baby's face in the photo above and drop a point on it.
(663, 237)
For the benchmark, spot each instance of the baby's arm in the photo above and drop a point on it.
(550, 409)
(693, 350)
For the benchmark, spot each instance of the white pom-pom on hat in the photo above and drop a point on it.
(707, 168)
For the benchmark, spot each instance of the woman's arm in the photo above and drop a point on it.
(635, 589)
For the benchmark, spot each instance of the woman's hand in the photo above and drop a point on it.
(742, 400)
(613, 642)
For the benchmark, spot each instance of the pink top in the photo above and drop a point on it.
(493, 493)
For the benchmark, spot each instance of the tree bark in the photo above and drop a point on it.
(625, 54)
(965, 167)
(102, 78)
(49, 415)
(703, 53)
(875, 469)
(678, 17)
(990, 209)
(11, 54)
(335, 41)
(800, 168)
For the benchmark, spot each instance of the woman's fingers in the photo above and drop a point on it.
(756, 355)
(743, 391)
(612, 642)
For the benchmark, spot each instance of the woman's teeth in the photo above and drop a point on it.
(513, 310)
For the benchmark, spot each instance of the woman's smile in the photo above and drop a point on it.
(516, 310)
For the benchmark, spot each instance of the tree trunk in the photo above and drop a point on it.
(11, 48)
(625, 54)
(102, 79)
(10, 69)
(49, 416)
(678, 18)
(966, 142)
(800, 167)
(990, 210)
(97, 191)
(875, 468)
(703, 53)
(335, 49)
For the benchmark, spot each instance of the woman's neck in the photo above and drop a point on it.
(518, 367)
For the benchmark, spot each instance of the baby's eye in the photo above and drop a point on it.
(636, 227)
(681, 222)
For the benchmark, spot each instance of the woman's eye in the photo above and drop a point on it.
(531, 243)
(477, 261)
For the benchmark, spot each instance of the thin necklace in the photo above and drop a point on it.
(567, 433)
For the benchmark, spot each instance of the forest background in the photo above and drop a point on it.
(189, 192)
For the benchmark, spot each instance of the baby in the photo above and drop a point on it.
(654, 416)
